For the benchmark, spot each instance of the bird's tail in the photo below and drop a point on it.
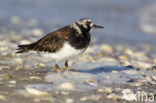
(25, 48)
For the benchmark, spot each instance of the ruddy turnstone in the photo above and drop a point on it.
(64, 43)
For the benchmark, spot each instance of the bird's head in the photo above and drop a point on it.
(86, 24)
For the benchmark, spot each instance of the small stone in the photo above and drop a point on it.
(5, 67)
(39, 64)
(108, 90)
(35, 78)
(100, 90)
(153, 77)
(114, 71)
(129, 52)
(2, 98)
(18, 60)
(125, 63)
(3, 48)
(138, 84)
(37, 100)
(11, 86)
(140, 56)
(6, 76)
(1, 68)
(130, 72)
(25, 42)
(100, 54)
(67, 86)
(92, 82)
(92, 97)
(83, 98)
(105, 90)
(64, 93)
(37, 32)
(36, 92)
(154, 60)
(113, 96)
(148, 78)
(141, 65)
(12, 82)
(123, 57)
(106, 48)
(69, 100)
(107, 77)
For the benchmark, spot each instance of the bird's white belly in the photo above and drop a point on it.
(65, 53)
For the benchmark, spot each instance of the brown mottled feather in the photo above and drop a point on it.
(52, 42)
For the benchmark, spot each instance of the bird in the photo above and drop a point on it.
(63, 44)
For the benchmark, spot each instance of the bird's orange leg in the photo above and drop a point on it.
(57, 69)
(66, 66)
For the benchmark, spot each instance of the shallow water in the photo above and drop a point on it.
(125, 21)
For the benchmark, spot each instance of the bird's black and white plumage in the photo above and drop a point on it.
(64, 43)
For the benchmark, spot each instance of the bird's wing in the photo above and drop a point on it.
(52, 42)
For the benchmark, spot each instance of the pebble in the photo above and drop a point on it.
(130, 72)
(5, 67)
(69, 100)
(92, 82)
(123, 57)
(12, 82)
(1, 68)
(108, 90)
(35, 92)
(106, 48)
(113, 96)
(100, 54)
(92, 97)
(128, 52)
(67, 86)
(125, 63)
(100, 90)
(18, 60)
(25, 42)
(141, 65)
(64, 93)
(148, 79)
(137, 84)
(114, 71)
(105, 90)
(39, 64)
(3, 48)
(153, 77)
(154, 60)
(5, 76)
(35, 78)
(2, 97)
(37, 32)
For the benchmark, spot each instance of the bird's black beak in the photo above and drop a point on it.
(97, 26)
